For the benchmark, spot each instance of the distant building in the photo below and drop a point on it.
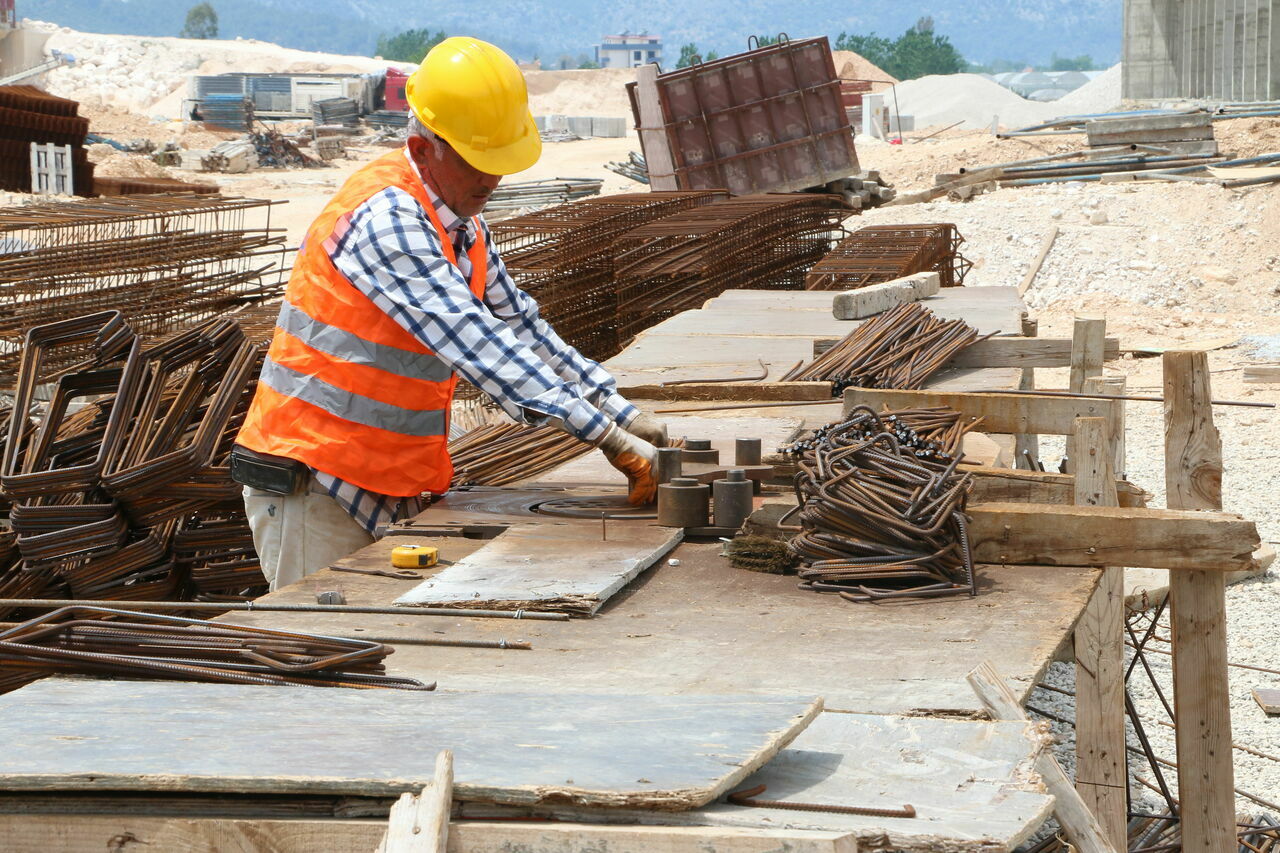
(628, 50)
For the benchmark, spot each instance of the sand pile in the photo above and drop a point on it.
(585, 92)
(852, 66)
(973, 99)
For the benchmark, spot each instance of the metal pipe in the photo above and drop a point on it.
(249, 606)
(1036, 392)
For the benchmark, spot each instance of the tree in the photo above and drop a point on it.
(687, 53)
(873, 48)
(919, 53)
(765, 41)
(408, 46)
(588, 63)
(1067, 63)
(202, 23)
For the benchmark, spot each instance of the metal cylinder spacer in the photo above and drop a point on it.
(746, 451)
(732, 498)
(684, 502)
(669, 464)
(700, 450)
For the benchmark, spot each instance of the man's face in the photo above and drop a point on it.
(464, 188)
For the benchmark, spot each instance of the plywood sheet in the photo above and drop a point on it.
(646, 751)
(568, 568)
(971, 783)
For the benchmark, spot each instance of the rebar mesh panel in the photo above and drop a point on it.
(881, 253)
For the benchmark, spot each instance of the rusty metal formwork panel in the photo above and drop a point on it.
(756, 241)
(768, 120)
(562, 257)
(163, 261)
(882, 253)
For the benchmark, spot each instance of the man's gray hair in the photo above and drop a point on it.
(417, 128)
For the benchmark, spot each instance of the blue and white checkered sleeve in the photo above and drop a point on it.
(520, 312)
(390, 251)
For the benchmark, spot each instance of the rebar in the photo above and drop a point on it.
(882, 253)
(881, 511)
(498, 454)
(900, 348)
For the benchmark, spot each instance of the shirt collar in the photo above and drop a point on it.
(448, 219)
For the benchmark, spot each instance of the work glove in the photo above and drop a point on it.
(634, 457)
(650, 429)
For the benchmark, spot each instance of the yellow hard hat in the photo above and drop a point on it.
(472, 95)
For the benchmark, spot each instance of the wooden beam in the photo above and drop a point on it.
(1006, 485)
(1114, 386)
(1262, 373)
(762, 391)
(1044, 535)
(27, 833)
(1026, 446)
(1034, 269)
(652, 130)
(1193, 481)
(420, 824)
(1001, 413)
(1099, 650)
(1082, 828)
(1025, 352)
(1087, 342)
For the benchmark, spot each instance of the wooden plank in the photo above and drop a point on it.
(653, 134)
(1193, 481)
(1026, 446)
(1081, 827)
(1268, 700)
(80, 833)
(1087, 343)
(1099, 650)
(1034, 269)
(1001, 413)
(1262, 374)
(643, 751)
(420, 824)
(566, 568)
(761, 391)
(1114, 386)
(1034, 534)
(1007, 485)
(1026, 352)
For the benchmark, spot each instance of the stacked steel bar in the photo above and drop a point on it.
(562, 256)
(129, 497)
(511, 197)
(900, 348)
(882, 253)
(498, 454)
(29, 115)
(755, 241)
(123, 643)
(882, 513)
(162, 260)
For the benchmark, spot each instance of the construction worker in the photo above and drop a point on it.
(397, 291)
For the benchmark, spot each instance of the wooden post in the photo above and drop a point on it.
(1079, 823)
(1087, 341)
(1114, 385)
(1193, 480)
(1026, 446)
(1101, 773)
(652, 130)
(421, 824)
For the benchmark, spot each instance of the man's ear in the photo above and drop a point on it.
(418, 147)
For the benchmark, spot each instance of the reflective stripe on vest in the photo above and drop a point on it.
(345, 389)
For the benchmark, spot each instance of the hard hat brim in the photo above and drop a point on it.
(507, 160)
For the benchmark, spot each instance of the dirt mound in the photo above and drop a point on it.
(584, 92)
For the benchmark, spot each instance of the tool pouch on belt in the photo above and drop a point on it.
(276, 474)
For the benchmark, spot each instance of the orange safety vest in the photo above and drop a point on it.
(345, 389)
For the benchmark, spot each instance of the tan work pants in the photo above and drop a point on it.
(296, 535)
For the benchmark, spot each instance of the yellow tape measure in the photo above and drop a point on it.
(414, 556)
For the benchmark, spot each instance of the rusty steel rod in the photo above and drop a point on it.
(249, 606)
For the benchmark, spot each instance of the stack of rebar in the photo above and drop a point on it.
(28, 115)
(882, 513)
(119, 486)
(634, 168)
(511, 197)
(122, 643)
(498, 454)
(900, 348)
(163, 261)
(882, 253)
(562, 256)
(755, 241)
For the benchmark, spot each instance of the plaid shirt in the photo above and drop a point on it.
(391, 252)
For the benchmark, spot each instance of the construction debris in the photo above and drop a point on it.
(344, 111)
(536, 194)
(634, 168)
(898, 349)
(882, 512)
(234, 156)
(160, 260)
(881, 253)
(276, 151)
